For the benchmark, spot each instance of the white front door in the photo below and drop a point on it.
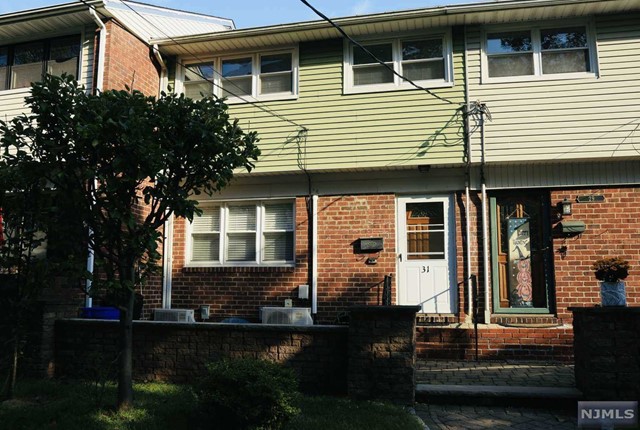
(426, 254)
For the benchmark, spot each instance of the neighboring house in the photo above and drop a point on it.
(352, 152)
(104, 44)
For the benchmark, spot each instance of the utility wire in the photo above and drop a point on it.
(211, 81)
(370, 54)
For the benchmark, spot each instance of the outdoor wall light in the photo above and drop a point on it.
(564, 207)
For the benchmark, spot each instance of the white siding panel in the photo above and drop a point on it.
(590, 118)
(563, 175)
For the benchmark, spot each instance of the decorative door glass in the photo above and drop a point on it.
(523, 251)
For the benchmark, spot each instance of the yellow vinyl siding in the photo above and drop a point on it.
(374, 130)
(566, 119)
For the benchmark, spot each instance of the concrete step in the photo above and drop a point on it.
(502, 395)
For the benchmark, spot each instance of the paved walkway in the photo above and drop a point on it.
(454, 417)
(501, 373)
(462, 380)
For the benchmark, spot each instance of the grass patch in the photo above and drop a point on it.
(73, 405)
(330, 413)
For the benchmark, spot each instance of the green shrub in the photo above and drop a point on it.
(243, 394)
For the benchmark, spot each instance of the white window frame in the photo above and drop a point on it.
(537, 52)
(260, 230)
(255, 73)
(399, 84)
(80, 72)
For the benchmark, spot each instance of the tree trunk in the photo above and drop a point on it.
(10, 384)
(125, 371)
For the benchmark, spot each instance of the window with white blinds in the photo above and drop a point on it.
(425, 59)
(243, 233)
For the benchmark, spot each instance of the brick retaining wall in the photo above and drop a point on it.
(607, 349)
(179, 352)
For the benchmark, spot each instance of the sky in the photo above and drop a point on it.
(255, 13)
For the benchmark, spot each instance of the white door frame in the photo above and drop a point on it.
(450, 240)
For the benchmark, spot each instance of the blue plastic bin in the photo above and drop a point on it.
(100, 313)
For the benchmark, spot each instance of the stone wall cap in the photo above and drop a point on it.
(605, 309)
(386, 309)
(214, 326)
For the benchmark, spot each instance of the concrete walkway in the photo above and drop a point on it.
(461, 395)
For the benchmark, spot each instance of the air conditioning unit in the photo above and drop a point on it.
(178, 315)
(286, 316)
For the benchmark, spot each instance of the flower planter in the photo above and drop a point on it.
(613, 293)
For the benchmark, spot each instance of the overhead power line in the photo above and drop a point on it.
(376, 59)
(197, 72)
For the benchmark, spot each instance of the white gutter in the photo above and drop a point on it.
(163, 68)
(314, 255)
(101, 47)
(382, 17)
(98, 86)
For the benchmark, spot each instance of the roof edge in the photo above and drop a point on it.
(491, 6)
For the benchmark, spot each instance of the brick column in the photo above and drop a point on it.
(607, 352)
(382, 353)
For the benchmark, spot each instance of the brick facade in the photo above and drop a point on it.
(344, 277)
(129, 62)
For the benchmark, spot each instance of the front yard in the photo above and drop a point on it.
(72, 405)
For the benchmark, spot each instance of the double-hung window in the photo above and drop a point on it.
(245, 77)
(425, 60)
(25, 63)
(544, 51)
(243, 234)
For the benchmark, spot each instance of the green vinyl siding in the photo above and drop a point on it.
(375, 130)
(565, 119)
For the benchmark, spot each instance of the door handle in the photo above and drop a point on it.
(400, 257)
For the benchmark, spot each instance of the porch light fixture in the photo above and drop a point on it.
(565, 207)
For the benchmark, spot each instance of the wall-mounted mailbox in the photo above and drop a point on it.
(369, 244)
(571, 227)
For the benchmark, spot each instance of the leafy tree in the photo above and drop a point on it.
(23, 272)
(121, 163)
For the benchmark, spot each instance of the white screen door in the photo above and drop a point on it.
(426, 258)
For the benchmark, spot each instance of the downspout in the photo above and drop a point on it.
(167, 243)
(314, 255)
(485, 221)
(102, 44)
(167, 262)
(467, 224)
(163, 68)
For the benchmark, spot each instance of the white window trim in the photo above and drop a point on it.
(78, 31)
(399, 84)
(259, 203)
(537, 52)
(255, 66)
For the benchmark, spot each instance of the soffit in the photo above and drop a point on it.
(394, 22)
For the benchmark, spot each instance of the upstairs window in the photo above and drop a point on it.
(257, 76)
(23, 64)
(538, 52)
(424, 60)
(243, 233)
